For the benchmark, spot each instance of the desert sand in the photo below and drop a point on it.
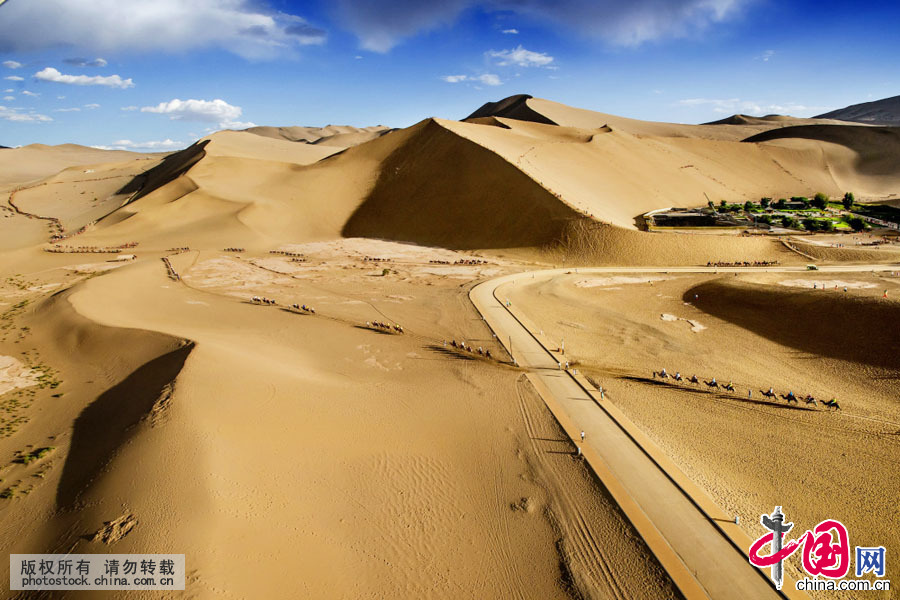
(150, 405)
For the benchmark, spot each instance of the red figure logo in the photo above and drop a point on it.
(822, 553)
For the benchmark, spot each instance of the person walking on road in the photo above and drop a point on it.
(582, 437)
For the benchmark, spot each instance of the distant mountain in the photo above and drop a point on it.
(879, 112)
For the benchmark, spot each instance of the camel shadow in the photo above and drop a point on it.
(372, 329)
(448, 352)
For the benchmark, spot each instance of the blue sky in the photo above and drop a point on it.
(158, 74)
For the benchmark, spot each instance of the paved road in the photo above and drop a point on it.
(682, 532)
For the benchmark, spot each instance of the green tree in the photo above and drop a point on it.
(827, 225)
(765, 202)
(820, 200)
(848, 200)
(789, 222)
(811, 224)
(748, 206)
(723, 204)
(857, 224)
(780, 204)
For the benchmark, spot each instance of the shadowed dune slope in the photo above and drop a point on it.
(439, 188)
(878, 148)
(170, 168)
(878, 112)
(826, 324)
(514, 107)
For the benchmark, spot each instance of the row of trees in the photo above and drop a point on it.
(819, 201)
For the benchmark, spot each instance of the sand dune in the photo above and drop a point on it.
(142, 410)
(29, 163)
(342, 136)
(254, 190)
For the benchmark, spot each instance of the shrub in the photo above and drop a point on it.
(811, 224)
(780, 204)
(848, 200)
(385, 272)
(748, 206)
(765, 202)
(820, 200)
(789, 222)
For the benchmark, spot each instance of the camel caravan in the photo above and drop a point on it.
(232, 250)
(386, 327)
(56, 248)
(376, 259)
(769, 394)
(462, 261)
(178, 250)
(263, 300)
(309, 310)
(61, 235)
(287, 253)
(170, 270)
(755, 263)
(466, 348)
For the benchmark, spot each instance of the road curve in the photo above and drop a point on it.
(700, 547)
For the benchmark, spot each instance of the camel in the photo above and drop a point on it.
(728, 387)
(769, 394)
(678, 377)
(790, 397)
(661, 374)
(712, 384)
(833, 403)
(693, 380)
(810, 400)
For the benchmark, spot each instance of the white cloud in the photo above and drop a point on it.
(16, 115)
(237, 124)
(73, 109)
(489, 79)
(486, 79)
(31, 94)
(728, 106)
(9, 98)
(519, 57)
(129, 108)
(382, 24)
(60, 97)
(92, 106)
(11, 64)
(510, 31)
(196, 110)
(244, 27)
(113, 81)
(14, 78)
(209, 111)
(162, 145)
(83, 62)
(768, 54)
